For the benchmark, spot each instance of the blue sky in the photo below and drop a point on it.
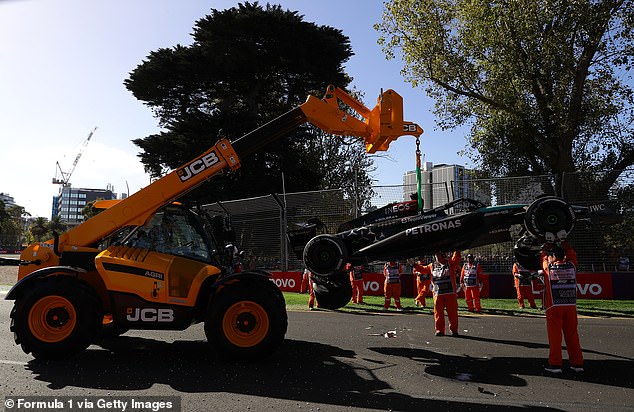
(62, 69)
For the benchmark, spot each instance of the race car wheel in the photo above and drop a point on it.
(333, 291)
(325, 254)
(549, 218)
(527, 251)
(56, 317)
(247, 320)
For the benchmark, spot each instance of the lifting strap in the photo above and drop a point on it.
(418, 178)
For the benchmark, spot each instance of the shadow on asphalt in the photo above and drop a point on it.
(582, 310)
(504, 370)
(533, 345)
(371, 309)
(300, 371)
(374, 309)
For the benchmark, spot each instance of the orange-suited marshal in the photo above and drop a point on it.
(560, 301)
(392, 287)
(423, 284)
(470, 277)
(356, 281)
(443, 280)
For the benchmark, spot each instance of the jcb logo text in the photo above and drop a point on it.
(198, 166)
(150, 315)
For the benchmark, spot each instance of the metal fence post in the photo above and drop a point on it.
(283, 224)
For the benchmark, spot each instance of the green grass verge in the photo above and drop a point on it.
(504, 307)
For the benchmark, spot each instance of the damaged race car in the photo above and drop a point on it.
(399, 231)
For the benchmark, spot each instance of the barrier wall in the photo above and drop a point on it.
(608, 285)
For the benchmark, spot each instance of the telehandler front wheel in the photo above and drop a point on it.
(247, 320)
(55, 318)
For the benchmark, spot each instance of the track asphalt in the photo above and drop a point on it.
(342, 361)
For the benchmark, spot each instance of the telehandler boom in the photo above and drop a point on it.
(146, 262)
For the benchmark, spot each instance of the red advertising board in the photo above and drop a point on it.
(287, 281)
(589, 285)
(10, 251)
(594, 286)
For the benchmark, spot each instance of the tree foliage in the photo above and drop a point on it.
(7, 226)
(11, 225)
(619, 237)
(544, 85)
(57, 225)
(246, 66)
(89, 210)
(39, 229)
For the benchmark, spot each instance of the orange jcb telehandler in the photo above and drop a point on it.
(147, 262)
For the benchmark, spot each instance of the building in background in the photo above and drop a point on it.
(54, 206)
(7, 200)
(71, 201)
(442, 183)
(410, 187)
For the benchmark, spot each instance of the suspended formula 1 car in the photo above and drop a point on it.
(399, 231)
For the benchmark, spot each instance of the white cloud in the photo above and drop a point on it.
(29, 173)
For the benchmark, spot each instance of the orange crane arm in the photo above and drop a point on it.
(136, 209)
(378, 128)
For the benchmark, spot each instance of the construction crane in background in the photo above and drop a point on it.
(63, 178)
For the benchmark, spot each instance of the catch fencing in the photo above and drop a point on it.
(260, 224)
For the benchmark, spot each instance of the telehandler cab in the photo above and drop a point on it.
(146, 262)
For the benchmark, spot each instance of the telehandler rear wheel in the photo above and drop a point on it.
(247, 320)
(55, 318)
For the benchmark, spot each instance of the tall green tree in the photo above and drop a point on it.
(545, 85)
(11, 225)
(39, 229)
(19, 217)
(56, 224)
(5, 224)
(89, 210)
(246, 66)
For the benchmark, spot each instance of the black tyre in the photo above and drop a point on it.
(112, 330)
(247, 320)
(56, 317)
(333, 291)
(527, 251)
(325, 254)
(549, 217)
